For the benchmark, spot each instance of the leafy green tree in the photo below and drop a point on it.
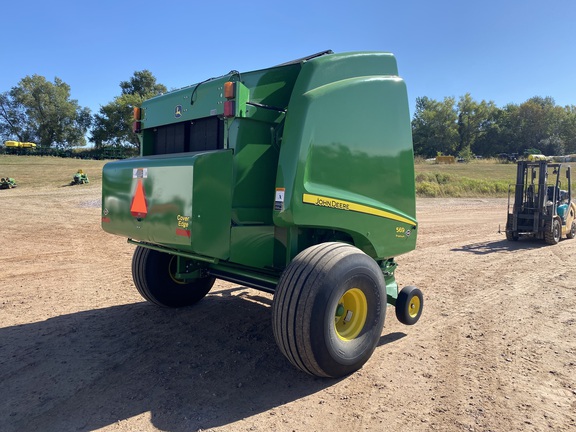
(42, 112)
(568, 129)
(490, 141)
(533, 121)
(434, 127)
(113, 123)
(509, 138)
(474, 121)
(143, 84)
(537, 123)
(13, 120)
(553, 145)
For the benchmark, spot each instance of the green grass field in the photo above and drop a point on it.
(479, 178)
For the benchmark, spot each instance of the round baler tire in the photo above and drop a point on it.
(409, 305)
(329, 308)
(152, 272)
(553, 233)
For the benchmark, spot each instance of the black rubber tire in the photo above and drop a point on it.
(552, 233)
(305, 305)
(152, 274)
(572, 231)
(510, 235)
(409, 305)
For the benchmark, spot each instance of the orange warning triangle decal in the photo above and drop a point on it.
(139, 209)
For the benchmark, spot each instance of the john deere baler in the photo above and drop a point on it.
(297, 180)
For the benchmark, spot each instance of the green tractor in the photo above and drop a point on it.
(297, 180)
(79, 178)
(7, 183)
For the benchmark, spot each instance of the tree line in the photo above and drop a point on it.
(466, 127)
(37, 110)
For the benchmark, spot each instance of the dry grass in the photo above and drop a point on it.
(480, 169)
(44, 171)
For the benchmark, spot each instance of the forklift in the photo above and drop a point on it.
(541, 208)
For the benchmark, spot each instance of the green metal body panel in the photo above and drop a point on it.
(347, 140)
(253, 246)
(315, 150)
(271, 87)
(188, 201)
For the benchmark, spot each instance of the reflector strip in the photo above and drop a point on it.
(183, 232)
(350, 206)
(229, 108)
(139, 208)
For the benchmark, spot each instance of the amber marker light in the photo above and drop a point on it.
(229, 89)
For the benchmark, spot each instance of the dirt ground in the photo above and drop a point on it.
(80, 350)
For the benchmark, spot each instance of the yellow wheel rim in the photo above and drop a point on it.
(414, 306)
(350, 314)
(172, 271)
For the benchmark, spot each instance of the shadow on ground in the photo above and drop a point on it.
(483, 248)
(195, 368)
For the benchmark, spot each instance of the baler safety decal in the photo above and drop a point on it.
(139, 207)
(350, 206)
(183, 224)
(279, 199)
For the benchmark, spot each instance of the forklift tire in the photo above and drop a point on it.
(409, 305)
(552, 233)
(511, 235)
(329, 309)
(572, 232)
(153, 275)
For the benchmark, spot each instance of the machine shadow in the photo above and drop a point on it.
(390, 338)
(484, 248)
(194, 368)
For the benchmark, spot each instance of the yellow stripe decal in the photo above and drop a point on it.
(349, 206)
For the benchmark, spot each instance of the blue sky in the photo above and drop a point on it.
(505, 51)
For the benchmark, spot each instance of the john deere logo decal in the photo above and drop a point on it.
(178, 111)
